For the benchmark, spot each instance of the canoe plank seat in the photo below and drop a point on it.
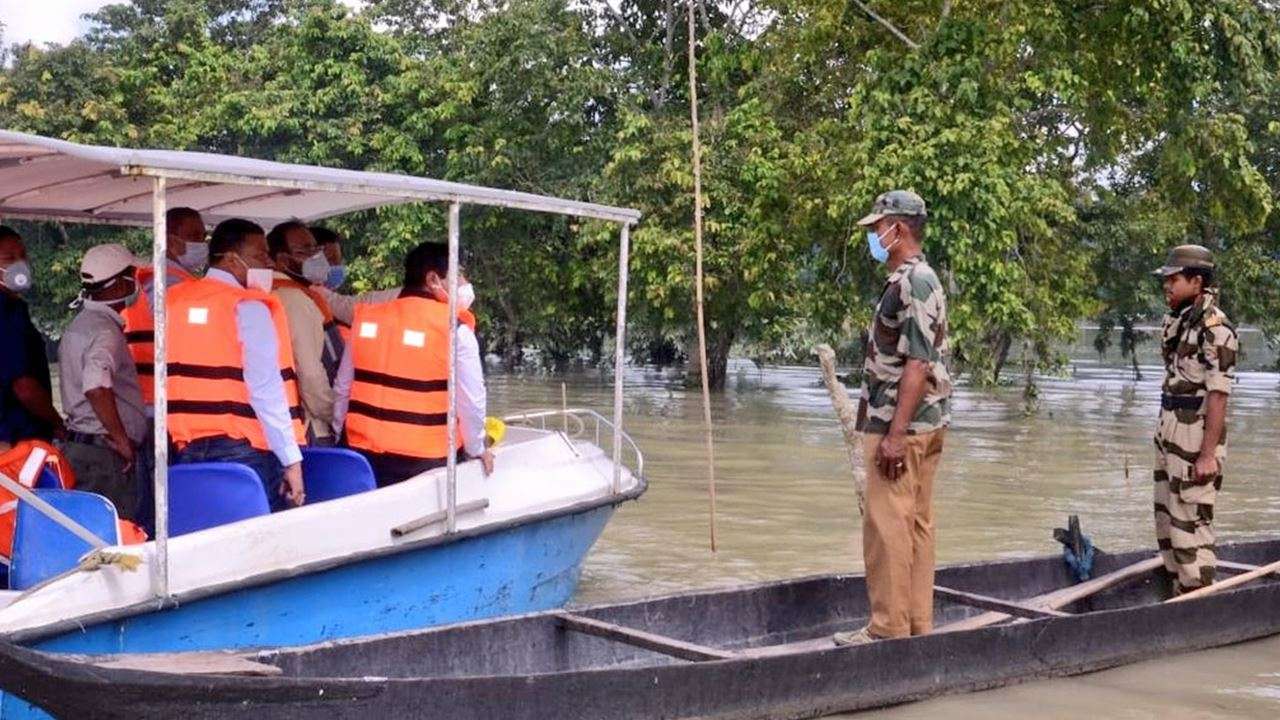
(639, 638)
(987, 602)
(188, 663)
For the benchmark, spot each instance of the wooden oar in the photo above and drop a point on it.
(1228, 583)
(1060, 598)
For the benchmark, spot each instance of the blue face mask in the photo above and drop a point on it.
(879, 252)
(337, 276)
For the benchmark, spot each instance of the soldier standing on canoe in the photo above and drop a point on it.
(1199, 347)
(903, 415)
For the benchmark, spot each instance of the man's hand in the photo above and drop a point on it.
(891, 456)
(291, 488)
(121, 446)
(486, 462)
(1206, 468)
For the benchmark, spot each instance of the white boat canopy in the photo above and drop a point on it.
(46, 179)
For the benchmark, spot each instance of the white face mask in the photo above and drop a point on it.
(316, 269)
(17, 277)
(260, 279)
(466, 296)
(195, 256)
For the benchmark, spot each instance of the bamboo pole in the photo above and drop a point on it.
(697, 250)
(847, 413)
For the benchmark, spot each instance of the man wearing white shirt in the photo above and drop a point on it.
(233, 390)
(391, 388)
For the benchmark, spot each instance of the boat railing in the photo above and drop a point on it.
(575, 426)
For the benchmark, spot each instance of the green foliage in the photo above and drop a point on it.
(1061, 147)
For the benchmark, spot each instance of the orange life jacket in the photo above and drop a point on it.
(468, 318)
(399, 394)
(334, 341)
(139, 328)
(24, 462)
(208, 396)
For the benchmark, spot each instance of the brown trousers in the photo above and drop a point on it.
(897, 537)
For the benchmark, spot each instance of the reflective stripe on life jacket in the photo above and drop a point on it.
(139, 328)
(399, 396)
(208, 396)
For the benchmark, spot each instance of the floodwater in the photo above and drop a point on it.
(786, 506)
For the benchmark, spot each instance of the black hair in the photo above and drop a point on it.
(278, 238)
(1205, 275)
(325, 236)
(425, 257)
(178, 214)
(230, 236)
(915, 223)
(7, 233)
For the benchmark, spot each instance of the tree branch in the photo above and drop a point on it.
(893, 29)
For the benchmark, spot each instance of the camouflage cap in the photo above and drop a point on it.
(1184, 257)
(895, 202)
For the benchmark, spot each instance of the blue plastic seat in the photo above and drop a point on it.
(330, 473)
(48, 479)
(42, 548)
(205, 495)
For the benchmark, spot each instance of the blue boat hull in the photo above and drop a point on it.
(524, 568)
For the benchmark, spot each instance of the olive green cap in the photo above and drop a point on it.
(1185, 257)
(895, 202)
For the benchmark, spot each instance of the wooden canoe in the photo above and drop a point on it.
(762, 651)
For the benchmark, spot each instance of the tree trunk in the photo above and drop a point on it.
(718, 345)
(1000, 351)
(512, 352)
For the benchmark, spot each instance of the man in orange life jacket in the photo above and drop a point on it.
(392, 387)
(186, 251)
(301, 267)
(233, 391)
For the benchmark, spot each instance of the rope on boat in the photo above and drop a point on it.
(93, 560)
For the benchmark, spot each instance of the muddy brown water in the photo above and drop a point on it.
(786, 507)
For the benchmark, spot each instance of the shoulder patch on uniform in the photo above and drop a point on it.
(1213, 319)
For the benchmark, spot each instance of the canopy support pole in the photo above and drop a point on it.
(619, 354)
(451, 511)
(159, 251)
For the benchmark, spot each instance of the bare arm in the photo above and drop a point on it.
(911, 389)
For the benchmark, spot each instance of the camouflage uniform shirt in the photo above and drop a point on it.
(1199, 347)
(910, 321)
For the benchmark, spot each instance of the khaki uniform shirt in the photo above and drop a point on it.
(910, 321)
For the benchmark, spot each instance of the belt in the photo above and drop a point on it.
(1181, 402)
(88, 439)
